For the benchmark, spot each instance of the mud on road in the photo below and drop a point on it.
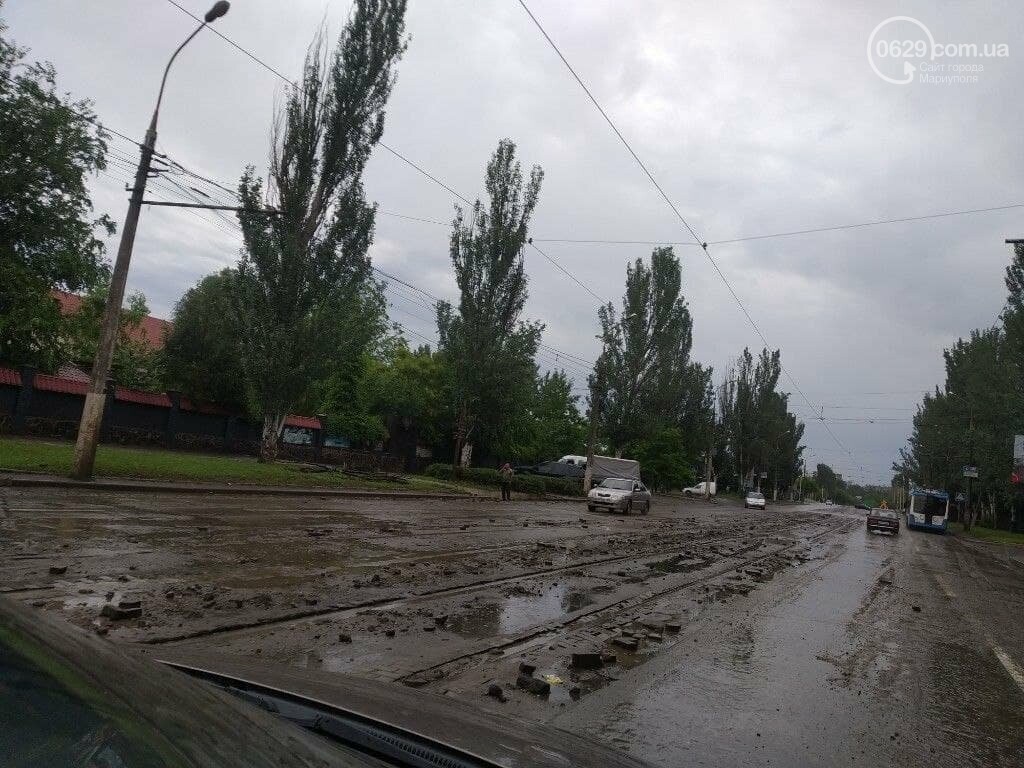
(699, 633)
(418, 591)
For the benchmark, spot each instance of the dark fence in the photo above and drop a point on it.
(40, 405)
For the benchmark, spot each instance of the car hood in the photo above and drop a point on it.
(494, 738)
(606, 493)
(199, 724)
(136, 711)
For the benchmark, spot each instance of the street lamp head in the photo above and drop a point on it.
(218, 10)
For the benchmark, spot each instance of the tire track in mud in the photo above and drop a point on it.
(632, 603)
(397, 601)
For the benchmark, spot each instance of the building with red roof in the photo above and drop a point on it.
(152, 331)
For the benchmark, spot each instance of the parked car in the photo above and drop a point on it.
(554, 469)
(701, 488)
(828, 502)
(884, 521)
(619, 494)
(81, 700)
(574, 459)
(754, 500)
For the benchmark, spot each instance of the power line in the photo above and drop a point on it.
(436, 298)
(383, 145)
(231, 42)
(675, 210)
(414, 218)
(567, 273)
(426, 173)
(837, 227)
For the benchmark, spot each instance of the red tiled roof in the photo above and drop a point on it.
(69, 371)
(151, 331)
(43, 381)
(159, 399)
(305, 422)
(58, 384)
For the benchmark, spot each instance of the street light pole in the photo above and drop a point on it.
(95, 398)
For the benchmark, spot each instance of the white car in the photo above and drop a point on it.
(754, 500)
(701, 488)
(619, 494)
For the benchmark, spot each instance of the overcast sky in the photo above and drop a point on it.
(755, 117)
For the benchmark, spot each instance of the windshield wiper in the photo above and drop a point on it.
(370, 737)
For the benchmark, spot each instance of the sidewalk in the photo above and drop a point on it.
(34, 480)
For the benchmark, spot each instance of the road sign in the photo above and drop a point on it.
(970, 472)
(959, 498)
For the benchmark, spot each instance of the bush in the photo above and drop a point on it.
(564, 486)
(532, 484)
(529, 484)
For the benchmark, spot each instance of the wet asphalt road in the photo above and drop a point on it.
(891, 651)
(787, 637)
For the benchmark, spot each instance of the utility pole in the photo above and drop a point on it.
(95, 398)
(711, 447)
(597, 393)
(595, 408)
(970, 508)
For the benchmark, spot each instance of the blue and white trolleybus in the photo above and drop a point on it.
(929, 510)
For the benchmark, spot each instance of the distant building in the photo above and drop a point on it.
(152, 331)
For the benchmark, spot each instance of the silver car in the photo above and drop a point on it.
(754, 500)
(618, 494)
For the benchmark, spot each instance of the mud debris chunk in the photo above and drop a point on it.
(495, 691)
(533, 685)
(586, 660)
(627, 643)
(125, 609)
(58, 570)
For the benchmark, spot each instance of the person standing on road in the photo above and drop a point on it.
(506, 481)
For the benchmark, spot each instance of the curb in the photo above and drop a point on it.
(19, 480)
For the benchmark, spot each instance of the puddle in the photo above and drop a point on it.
(681, 563)
(516, 612)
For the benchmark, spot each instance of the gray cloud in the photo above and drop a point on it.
(755, 117)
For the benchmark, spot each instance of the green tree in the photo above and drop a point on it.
(557, 426)
(136, 363)
(345, 393)
(304, 271)
(664, 460)
(758, 435)
(645, 361)
(408, 387)
(973, 416)
(971, 421)
(489, 350)
(829, 481)
(48, 238)
(202, 355)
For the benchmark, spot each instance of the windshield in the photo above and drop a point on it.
(64, 720)
(886, 513)
(457, 347)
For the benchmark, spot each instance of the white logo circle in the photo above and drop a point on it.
(907, 51)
